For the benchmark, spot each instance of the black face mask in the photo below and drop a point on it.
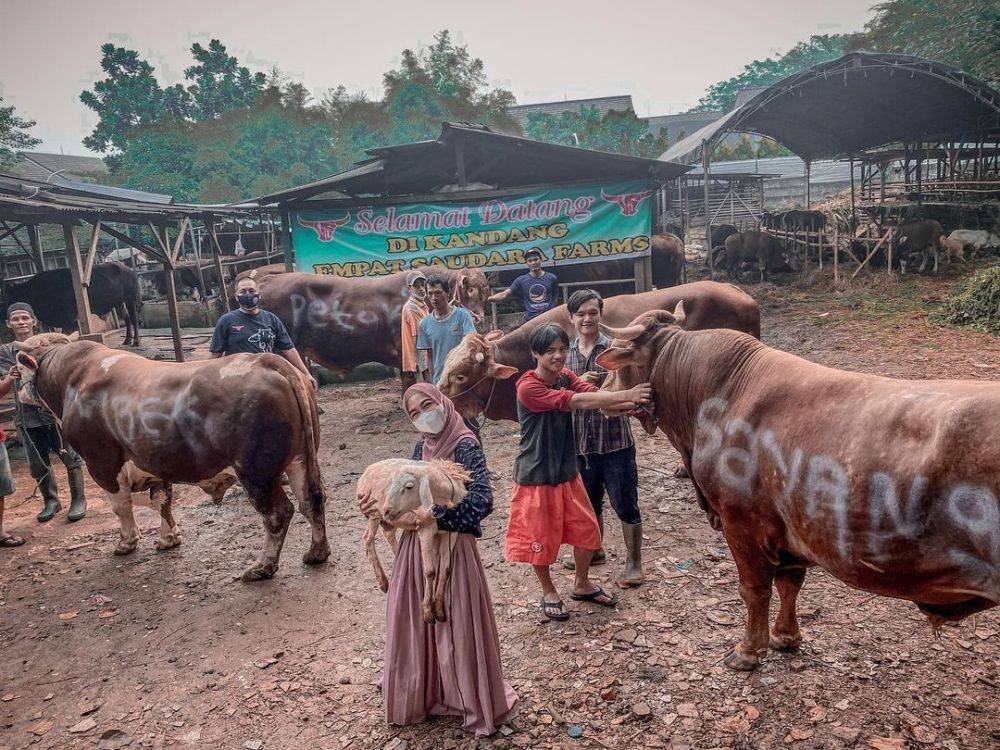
(248, 300)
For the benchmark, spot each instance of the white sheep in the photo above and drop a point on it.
(399, 486)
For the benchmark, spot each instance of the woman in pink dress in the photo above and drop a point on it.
(450, 668)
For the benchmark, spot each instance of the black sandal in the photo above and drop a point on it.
(595, 597)
(11, 541)
(560, 615)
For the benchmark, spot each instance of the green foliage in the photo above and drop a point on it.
(13, 134)
(977, 305)
(820, 48)
(233, 134)
(619, 132)
(129, 96)
(745, 148)
(962, 33)
(219, 82)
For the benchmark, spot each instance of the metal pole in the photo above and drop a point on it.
(708, 227)
(286, 240)
(808, 201)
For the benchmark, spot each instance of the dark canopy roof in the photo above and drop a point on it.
(857, 102)
(495, 159)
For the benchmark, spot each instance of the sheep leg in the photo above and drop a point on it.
(389, 532)
(446, 547)
(429, 562)
(372, 554)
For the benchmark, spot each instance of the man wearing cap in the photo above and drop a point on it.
(538, 289)
(414, 310)
(37, 428)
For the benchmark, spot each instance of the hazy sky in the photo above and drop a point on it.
(662, 53)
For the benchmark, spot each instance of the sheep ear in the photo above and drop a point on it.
(426, 499)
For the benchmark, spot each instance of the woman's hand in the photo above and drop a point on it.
(591, 376)
(415, 519)
(367, 504)
(15, 372)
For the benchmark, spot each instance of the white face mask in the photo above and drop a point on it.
(431, 422)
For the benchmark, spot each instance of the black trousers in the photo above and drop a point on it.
(616, 473)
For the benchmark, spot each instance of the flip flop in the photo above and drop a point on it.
(595, 597)
(559, 616)
(11, 541)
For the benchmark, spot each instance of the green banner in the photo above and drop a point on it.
(568, 225)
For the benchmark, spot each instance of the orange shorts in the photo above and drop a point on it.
(544, 516)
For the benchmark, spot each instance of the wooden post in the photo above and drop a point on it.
(217, 260)
(76, 273)
(836, 253)
(175, 317)
(286, 239)
(200, 273)
(819, 240)
(708, 226)
(36, 248)
(854, 215)
(889, 252)
(808, 201)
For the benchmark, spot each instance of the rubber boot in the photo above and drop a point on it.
(599, 558)
(78, 497)
(633, 562)
(50, 494)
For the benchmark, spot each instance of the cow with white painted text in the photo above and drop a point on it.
(889, 485)
(186, 423)
(341, 323)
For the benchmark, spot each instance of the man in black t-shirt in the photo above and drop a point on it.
(251, 330)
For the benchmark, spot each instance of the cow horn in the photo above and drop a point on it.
(629, 333)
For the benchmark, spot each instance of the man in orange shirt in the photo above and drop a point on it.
(414, 310)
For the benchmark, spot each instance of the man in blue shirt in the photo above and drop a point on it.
(444, 328)
(251, 330)
(538, 289)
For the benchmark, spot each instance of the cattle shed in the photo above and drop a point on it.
(98, 210)
(469, 163)
(918, 129)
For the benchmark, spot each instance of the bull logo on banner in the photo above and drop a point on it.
(324, 229)
(628, 203)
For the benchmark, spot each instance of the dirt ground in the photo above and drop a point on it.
(166, 649)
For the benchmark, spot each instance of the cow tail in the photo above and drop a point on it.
(310, 426)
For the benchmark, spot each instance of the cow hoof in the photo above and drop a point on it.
(126, 548)
(317, 555)
(168, 542)
(741, 662)
(681, 472)
(258, 572)
(785, 642)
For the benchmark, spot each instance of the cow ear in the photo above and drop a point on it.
(75, 336)
(27, 361)
(502, 372)
(616, 358)
(679, 315)
(493, 336)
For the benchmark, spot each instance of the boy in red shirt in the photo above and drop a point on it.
(550, 505)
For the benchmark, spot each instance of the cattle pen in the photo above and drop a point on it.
(922, 140)
(475, 180)
(158, 230)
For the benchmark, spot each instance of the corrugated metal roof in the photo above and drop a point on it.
(786, 166)
(602, 104)
(496, 159)
(38, 165)
(674, 124)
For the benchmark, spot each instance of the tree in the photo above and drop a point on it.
(219, 82)
(962, 33)
(619, 132)
(129, 96)
(13, 134)
(721, 96)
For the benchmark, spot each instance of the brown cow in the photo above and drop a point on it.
(889, 485)
(186, 423)
(342, 323)
(478, 374)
